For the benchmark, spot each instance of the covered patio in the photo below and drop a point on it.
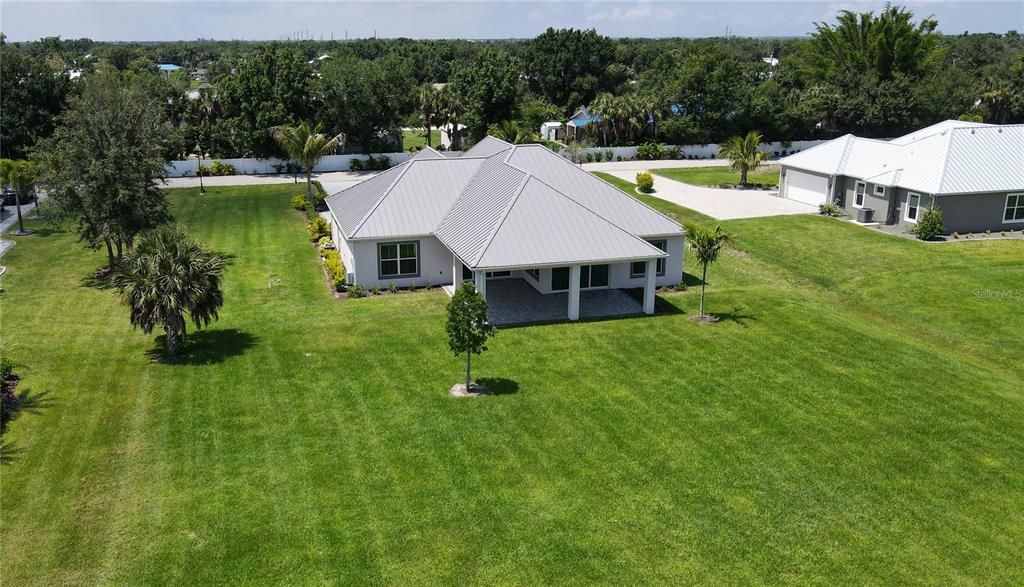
(513, 301)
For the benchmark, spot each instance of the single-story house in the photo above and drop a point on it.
(503, 212)
(973, 172)
(578, 122)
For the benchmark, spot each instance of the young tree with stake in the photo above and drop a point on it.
(706, 244)
(467, 325)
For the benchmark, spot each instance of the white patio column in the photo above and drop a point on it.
(480, 277)
(574, 292)
(456, 272)
(649, 285)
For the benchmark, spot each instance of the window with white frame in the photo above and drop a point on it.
(639, 268)
(1014, 211)
(880, 191)
(399, 259)
(858, 194)
(913, 206)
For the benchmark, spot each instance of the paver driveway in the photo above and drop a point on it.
(722, 204)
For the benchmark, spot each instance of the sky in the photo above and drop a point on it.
(155, 20)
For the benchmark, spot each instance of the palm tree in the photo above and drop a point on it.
(744, 154)
(706, 244)
(306, 146)
(510, 132)
(428, 107)
(21, 177)
(452, 110)
(164, 277)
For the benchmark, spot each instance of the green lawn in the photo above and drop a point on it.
(412, 139)
(855, 418)
(719, 175)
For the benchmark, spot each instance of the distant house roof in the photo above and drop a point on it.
(168, 67)
(952, 157)
(503, 205)
(583, 117)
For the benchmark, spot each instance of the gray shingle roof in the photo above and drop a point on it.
(518, 206)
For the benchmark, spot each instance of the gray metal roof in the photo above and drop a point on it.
(519, 206)
(591, 191)
(542, 226)
(951, 157)
(487, 147)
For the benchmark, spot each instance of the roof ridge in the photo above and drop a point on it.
(566, 161)
(847, 148)
(464, 188)
(383, 195)
(945, 161)
(504, 215)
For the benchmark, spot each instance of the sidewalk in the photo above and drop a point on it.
(609, 166)
(10, 219)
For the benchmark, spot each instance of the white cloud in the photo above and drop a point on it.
(641, 12)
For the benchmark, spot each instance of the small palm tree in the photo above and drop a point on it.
(452, 110)
(744, 154)
(706, 244)
(306, 146)
(429, 101)
(21, 177)
(511, 132)
(168, 275)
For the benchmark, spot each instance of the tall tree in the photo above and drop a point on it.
(570, 67)
(452, 112)
(490, 87)
(103, 165)
(268, 89)
(706, 244)
(744, 153)
(33, 94)
(367, 100)
(167, 276)
(306, 146)
(467, 325)
(429, 108)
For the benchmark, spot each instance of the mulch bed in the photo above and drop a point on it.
(475, 390)
(705, 319)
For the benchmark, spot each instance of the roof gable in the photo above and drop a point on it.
(486, 147)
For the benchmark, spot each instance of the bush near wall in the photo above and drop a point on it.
(335, 268)
(216, 168)
(645, 182)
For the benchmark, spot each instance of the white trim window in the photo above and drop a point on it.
(879, 191)
(398, 259)
(913, 207)
(858, 194)
(639, 268)
(1014, 210)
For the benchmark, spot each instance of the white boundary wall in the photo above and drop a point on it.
(709, 151)
(248, 166)
(188, 167)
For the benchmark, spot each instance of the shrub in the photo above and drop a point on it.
(356, 291)
(335, 269)
(377, 163)
(930, 224)
(299, 201)
(216, 168)
(650, 151)
(375, 290)
(356, 165)
(325, 244)
(830, 209)
(392, 288)
(645, 182)
(6, 368)
(608, 155)
(318, 228)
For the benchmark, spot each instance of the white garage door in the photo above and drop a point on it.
(805, 187)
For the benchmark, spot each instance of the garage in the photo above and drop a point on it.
(805, 187)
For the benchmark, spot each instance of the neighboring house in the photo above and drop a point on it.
(503, 211)
(197, 92)
(199, 75)
(974, 172)
(578, 122)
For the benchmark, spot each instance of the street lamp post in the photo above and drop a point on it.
(199, 170)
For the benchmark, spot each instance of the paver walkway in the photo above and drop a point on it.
(722, 204)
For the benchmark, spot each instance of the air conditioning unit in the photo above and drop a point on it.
(865, 215)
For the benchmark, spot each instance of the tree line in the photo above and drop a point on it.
(873, 74)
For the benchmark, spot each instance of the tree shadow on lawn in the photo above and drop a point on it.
(499, 385)
(9, 452)
(28, 402)
(205, 347)
(736, 315)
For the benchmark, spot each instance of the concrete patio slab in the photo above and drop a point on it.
(722, 204)
(513, 301)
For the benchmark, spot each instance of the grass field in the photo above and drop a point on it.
(856, 417)
(719, 175)
(413, 139)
